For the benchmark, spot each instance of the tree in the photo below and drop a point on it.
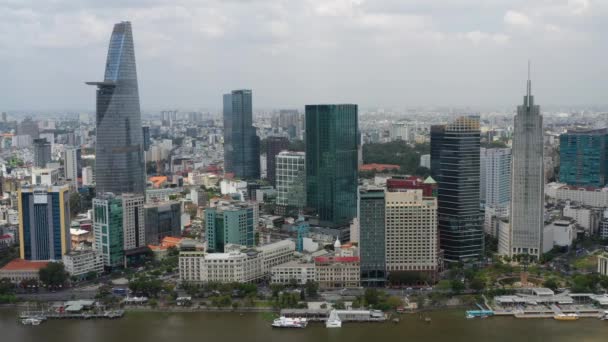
(311, 288)
(53, 275)
(371, 296)
(394, 302)
(551, 283)
(478, 283)
(339, 305)
(456, 285)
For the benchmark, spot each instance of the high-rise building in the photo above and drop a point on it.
(28, 127)
(73, 165)
(495, 177)
(232, 222)
(87, 176)
(411, 236)
(146, 137)
(372, 238)
(584, 157)
(241, 143)
(118, 223)
(527, 182)
(405, 131)
(332, 133)
(274, 145)
(455, 167)
(119, 150)
(42, 152)
(291, 179)
(108, 229)
(44, 222)
(162, 220)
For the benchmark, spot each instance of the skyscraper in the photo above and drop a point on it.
(241, 143)
(455, 167)
(274, 145)
(119, 151)
(495, 183)
(44, 222)
(42, 152)
(331, 162)
(527, 182)
(291, 179)
(372, 237)
(73, 164)
(584, 157)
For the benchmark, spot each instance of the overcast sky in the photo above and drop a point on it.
(292, 52)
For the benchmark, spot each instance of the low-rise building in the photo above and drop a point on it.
(81, 263)
(337, 271)
(593, 197)
(602, 264)
(19, 270)
(560, 233)
(293, 271)
(237, 263)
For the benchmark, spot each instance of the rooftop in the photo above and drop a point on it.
(24, 265)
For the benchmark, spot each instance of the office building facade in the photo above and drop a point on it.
(274, 146)
(241, 143)
(44, 222)
(411, 236)
(230, 223)
(372, 237)
(162, 220)
(119, 150)
(73, 165)
(455, 167)
(495, 177)
(42, 152)
(291, 179)
(584, 157)
(332, 133)
(527, 182)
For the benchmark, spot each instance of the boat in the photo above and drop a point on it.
(286, 322)
(333, 321)
(469, 316)
(31, 321)
(566, 317)
(427, 319)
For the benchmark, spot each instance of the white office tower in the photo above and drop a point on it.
(527, 182)
(72, 161)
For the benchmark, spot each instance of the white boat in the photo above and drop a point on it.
(286, 322)
(333, 321)
(31, 321)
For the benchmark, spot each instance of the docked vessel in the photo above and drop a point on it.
(31, 321)
(566, 317)
(286, 322)
(333, 321)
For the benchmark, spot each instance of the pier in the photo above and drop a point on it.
(322, 315)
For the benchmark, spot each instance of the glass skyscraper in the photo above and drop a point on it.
(331, 162)
(455, 167)
(230, 223)
(119, 151)
(274, 145)
(241, 143)
(584, 157)
(528, 179)
(372, 243)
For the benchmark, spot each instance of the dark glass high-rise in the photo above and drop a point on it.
(241, 143)
(119, 163)
(331, 162)
(455, 166)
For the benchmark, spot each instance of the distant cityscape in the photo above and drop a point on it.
(375, 209)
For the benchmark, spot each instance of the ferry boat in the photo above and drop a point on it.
(31, 321)
(286, 322)
(566, 317)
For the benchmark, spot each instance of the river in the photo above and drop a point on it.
(230, 327)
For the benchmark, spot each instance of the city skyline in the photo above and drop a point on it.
(429, 55)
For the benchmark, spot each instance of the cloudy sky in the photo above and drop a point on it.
(292, 52)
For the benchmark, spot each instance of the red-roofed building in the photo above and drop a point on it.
(161, 250)
(379, 167)
(19, 270)
(428, 186)
(338, 271)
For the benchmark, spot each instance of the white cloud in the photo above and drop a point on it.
(517, 19)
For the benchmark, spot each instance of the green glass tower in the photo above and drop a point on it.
(331, 162)
(230, 222)
(108, 229)
(584, 157)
